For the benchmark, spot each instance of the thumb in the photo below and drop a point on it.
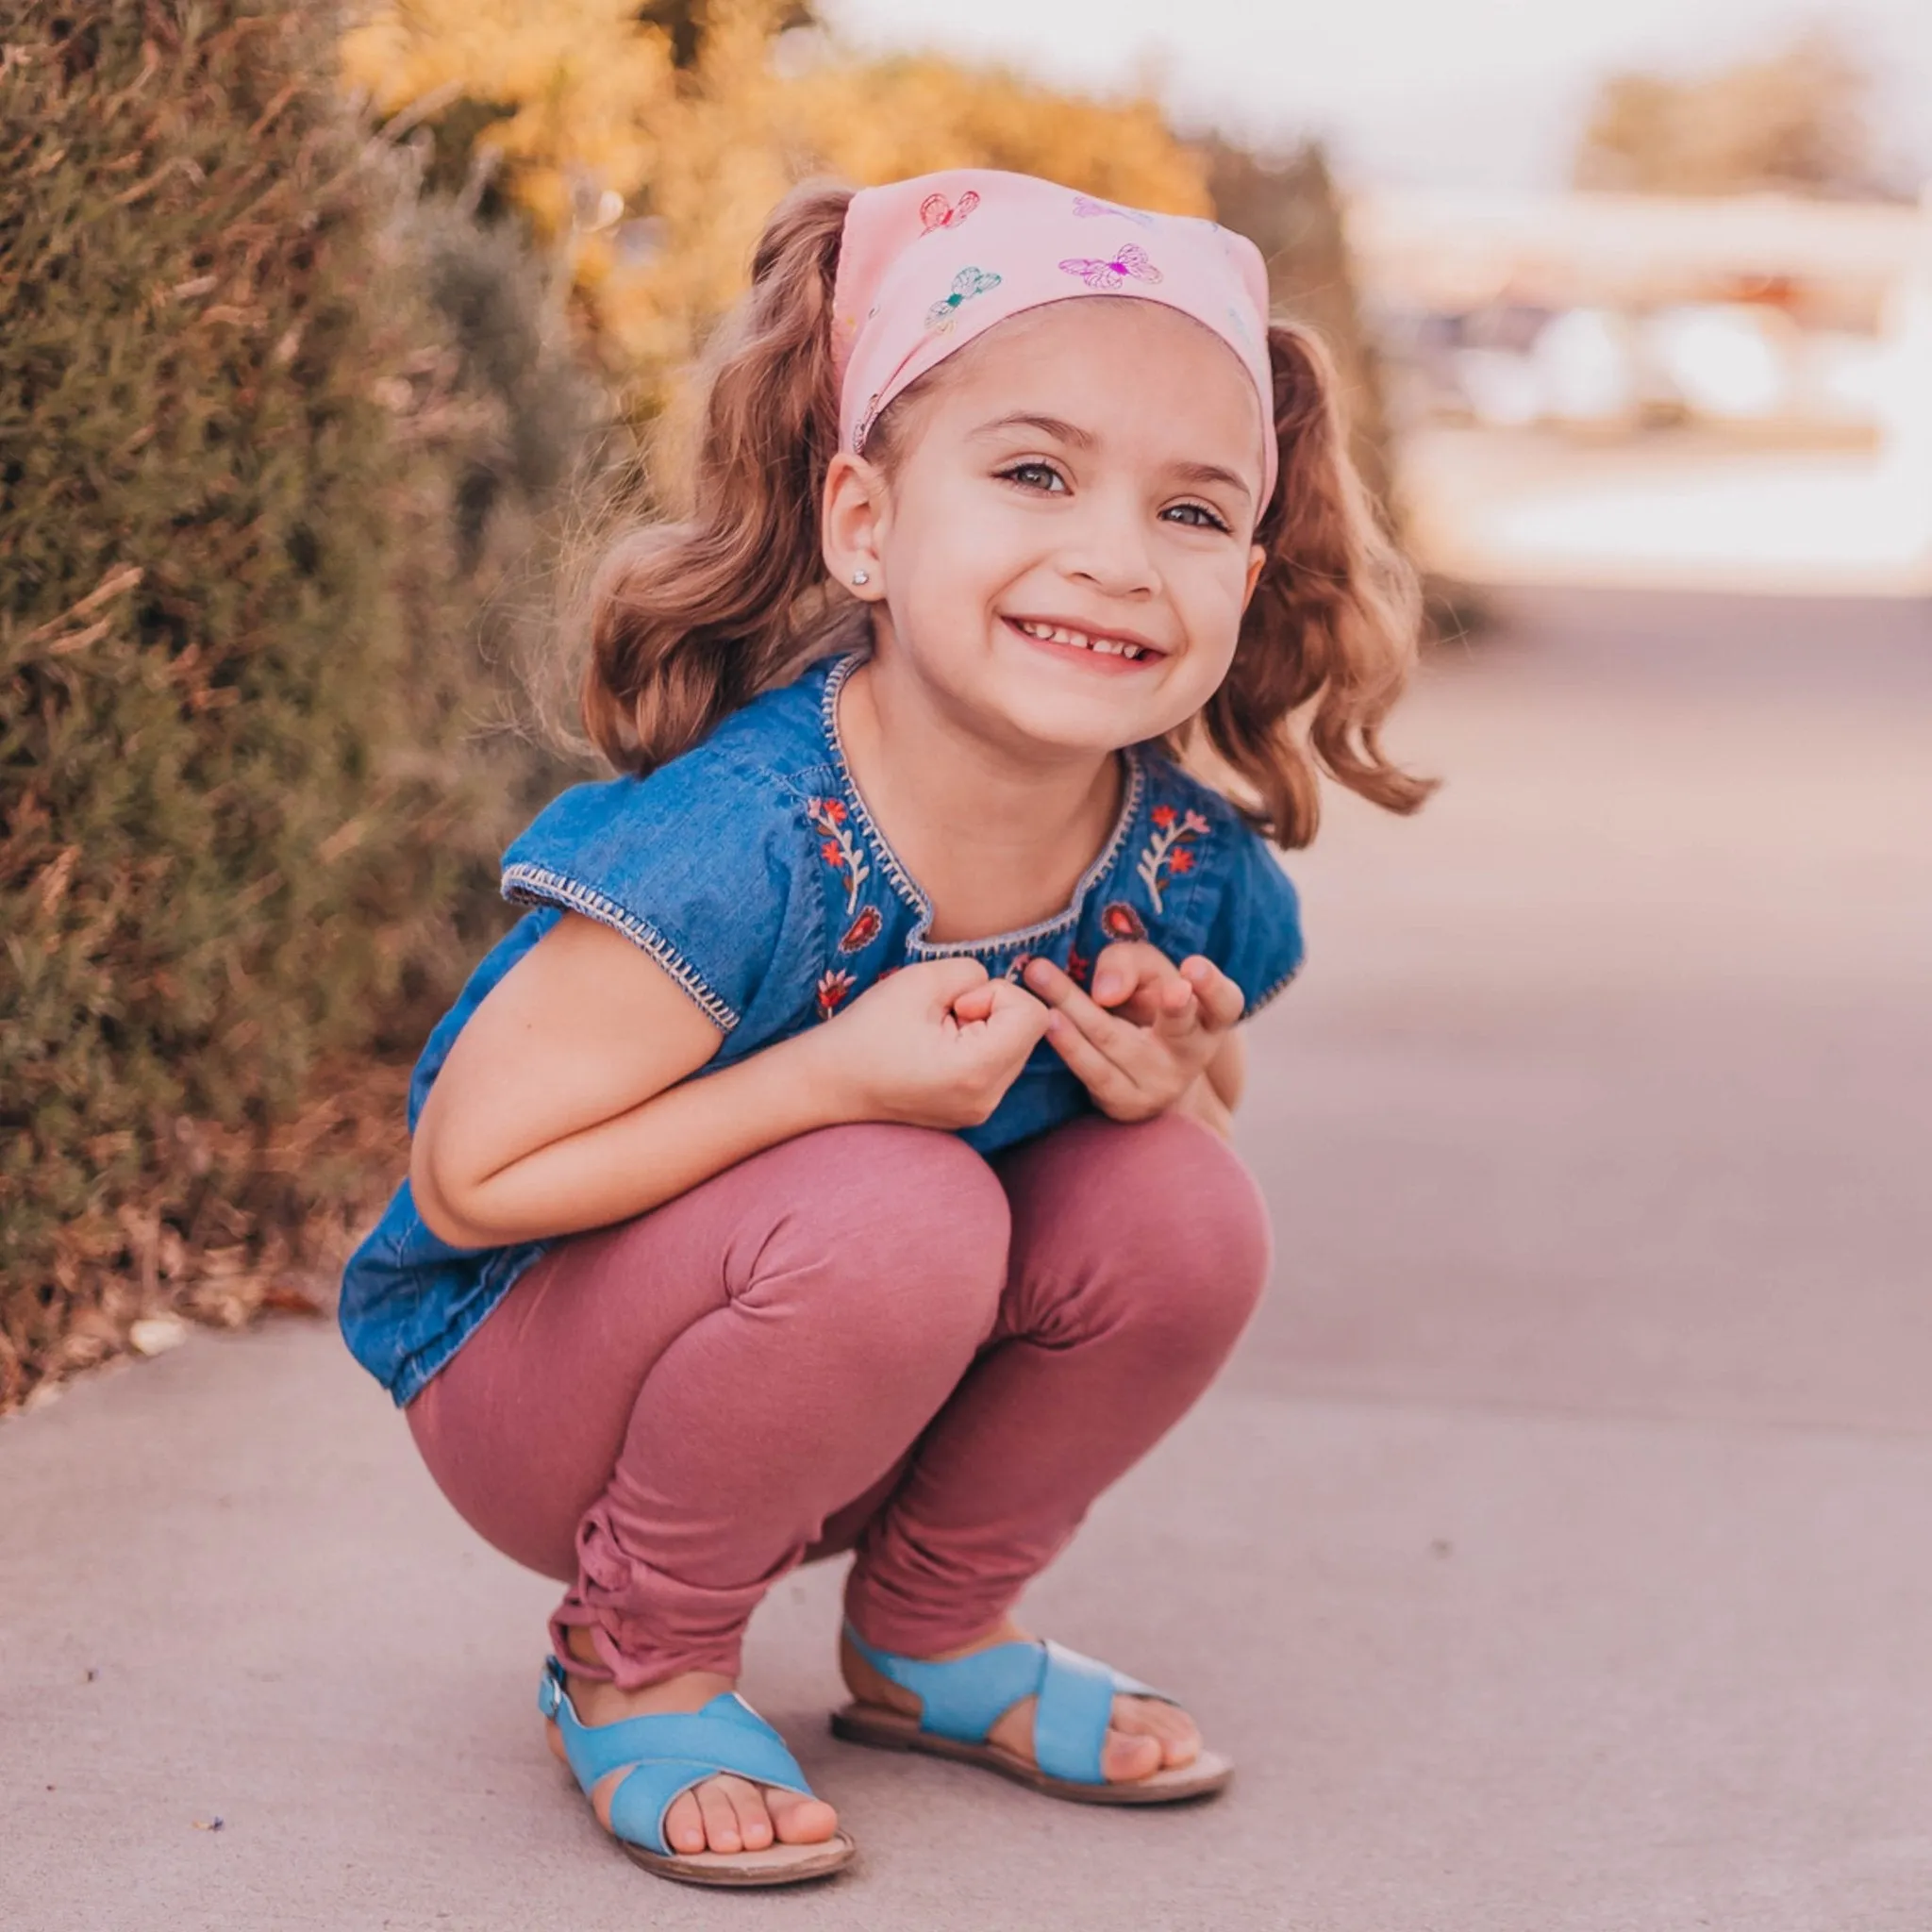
(1014, 1017)
(947, 979)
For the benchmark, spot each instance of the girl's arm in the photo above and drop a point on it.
(535, 1125)
(566, 1102)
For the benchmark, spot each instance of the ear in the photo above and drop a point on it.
(1257, 558)
(851, 524)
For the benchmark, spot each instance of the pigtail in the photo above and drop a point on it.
(690, 620)
(1329, 636)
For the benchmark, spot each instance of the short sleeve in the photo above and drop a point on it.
(696, 863)
(1255, 935)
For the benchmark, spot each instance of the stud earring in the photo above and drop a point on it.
(861, 577)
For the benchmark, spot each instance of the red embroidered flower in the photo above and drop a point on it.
(1166, 852)
(862, 931)
(839, 849)
(834, 984)
(1079, 966)
(1119, 920)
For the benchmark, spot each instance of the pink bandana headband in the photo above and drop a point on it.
(925, 265)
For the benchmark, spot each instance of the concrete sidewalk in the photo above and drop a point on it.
(1555, 1555)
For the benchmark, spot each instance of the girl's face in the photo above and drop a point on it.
(1063, 547)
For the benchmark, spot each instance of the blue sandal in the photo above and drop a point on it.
(671, 1753)
(961, 1701)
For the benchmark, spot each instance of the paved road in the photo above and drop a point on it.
(1555, 1556)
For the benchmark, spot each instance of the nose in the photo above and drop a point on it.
(1108, 549)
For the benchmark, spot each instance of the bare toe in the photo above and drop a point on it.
(684, 1823)
(721, 1819)
(1124, 1758)
(754, 1820)
(799, 1820)
(1148, 1717)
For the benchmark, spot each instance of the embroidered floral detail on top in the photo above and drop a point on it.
(834, 984)
(862, 931)
(838, 848)
(1119, 920)
(1167, 854)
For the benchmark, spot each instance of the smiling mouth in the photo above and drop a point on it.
(1099, 642)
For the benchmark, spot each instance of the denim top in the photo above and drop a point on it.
(749, 870)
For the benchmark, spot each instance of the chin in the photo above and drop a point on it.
(1085, 722)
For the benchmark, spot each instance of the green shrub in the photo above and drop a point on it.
(238, 804)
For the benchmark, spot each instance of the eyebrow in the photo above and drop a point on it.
(1063, 431)
(1055, 426)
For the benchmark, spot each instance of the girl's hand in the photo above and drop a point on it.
(931, 1046)
(1166, 1023)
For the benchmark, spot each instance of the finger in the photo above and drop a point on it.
(1110, 1035)
(947, 980)
(1177, 1014)
(1222, 1003)
(1014, 1014)
(1109, 1082)
(1125, 967)
(975, 1003)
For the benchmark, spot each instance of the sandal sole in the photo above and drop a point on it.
(747, 1871)
(891, 1730)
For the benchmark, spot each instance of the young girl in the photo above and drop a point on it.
(834, 1157)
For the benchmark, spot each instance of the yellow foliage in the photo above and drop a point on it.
(580, 79)
(599, 124)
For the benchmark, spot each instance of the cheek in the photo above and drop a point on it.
(1213, 593)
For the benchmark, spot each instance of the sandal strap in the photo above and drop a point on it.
(1076, 1696)
(964, 1698)
(668, 1754)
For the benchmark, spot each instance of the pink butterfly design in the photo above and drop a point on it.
(1126, 261)
(936, 211)
(1086, 205)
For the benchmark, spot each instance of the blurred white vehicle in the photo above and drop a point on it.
(1725, 359)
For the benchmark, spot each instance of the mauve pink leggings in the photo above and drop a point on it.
(870, 1337)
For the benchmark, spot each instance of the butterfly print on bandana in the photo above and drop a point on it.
(862, 931)
(1167, 854)
(837, 847)
(1128, 260)
(936, 211)
(1119, 920)
(968, 283)
(1085, 205)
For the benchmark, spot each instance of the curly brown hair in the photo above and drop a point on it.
(691, 618)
